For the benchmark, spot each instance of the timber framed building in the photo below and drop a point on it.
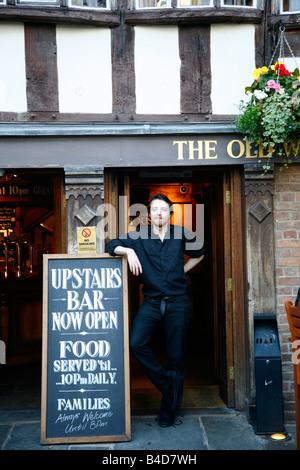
(108, 102)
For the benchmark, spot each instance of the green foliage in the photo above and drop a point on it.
(271, 117)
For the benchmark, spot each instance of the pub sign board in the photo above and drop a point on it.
(85, 365)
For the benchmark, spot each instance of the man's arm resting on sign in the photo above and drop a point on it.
(133, 261)
(191, 263)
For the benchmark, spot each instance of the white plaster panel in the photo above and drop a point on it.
(84, 69)
(157, 69)
(13, 69)
(290, 62)
(232, 65)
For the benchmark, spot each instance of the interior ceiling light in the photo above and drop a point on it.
(183, 189)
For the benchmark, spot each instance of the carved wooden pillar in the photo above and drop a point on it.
(260, 250)
(84, 193)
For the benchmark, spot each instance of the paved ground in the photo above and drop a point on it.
(194, 430)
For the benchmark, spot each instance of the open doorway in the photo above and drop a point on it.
(30, 226)
(206, 284)
(32, 223)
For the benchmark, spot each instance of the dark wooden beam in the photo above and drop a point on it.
(291, 21)
(53, 117)
(199, 16)
(59, 15)
(194, 50)
(123, 74)
(41, 67)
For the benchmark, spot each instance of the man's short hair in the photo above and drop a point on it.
(162, 197)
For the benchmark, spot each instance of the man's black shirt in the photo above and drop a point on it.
(162, 261)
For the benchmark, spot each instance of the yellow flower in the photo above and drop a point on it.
(260, 71)
(256, 74)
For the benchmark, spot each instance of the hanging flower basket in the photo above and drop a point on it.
(271, 116)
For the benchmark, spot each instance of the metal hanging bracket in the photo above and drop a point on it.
(280, 43)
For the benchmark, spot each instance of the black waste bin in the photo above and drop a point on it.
(268, 375)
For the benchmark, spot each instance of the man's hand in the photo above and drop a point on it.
(133, 261)
(191, 263)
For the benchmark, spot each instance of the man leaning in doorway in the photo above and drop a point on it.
(157, 254)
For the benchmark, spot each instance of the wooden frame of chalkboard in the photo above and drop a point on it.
(85, 357)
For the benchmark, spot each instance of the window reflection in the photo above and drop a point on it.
(153, 3)
(168, 3)
(193, 3)
(238, 3)
(291, 5)
(38, 2)
(89, 3)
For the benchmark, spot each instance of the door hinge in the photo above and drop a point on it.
(229, 283)
(231, 372)
(228, 197)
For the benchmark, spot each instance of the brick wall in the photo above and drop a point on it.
(287, 266)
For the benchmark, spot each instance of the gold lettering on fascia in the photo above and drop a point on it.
(207, 150)
(245, 150)
(197, 150)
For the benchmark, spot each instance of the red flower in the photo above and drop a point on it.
(282, 70)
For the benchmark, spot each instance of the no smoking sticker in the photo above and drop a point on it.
(86, 232)
(86, 240)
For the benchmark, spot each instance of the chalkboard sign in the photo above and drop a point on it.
(85, 369)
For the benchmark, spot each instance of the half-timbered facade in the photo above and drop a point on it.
(105, 102)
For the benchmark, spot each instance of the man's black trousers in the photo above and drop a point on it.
(173, 312)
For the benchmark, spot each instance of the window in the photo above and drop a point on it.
(71, 3)
(2, 2)
(291, 6)
(89, 3)
(38, 2)
(239, 3)
(194, 3)
(153, 4)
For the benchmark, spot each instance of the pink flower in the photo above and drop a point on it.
(270, 84)
(273, 84)
(276, 87)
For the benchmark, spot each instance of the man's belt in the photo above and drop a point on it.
(159, 298)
